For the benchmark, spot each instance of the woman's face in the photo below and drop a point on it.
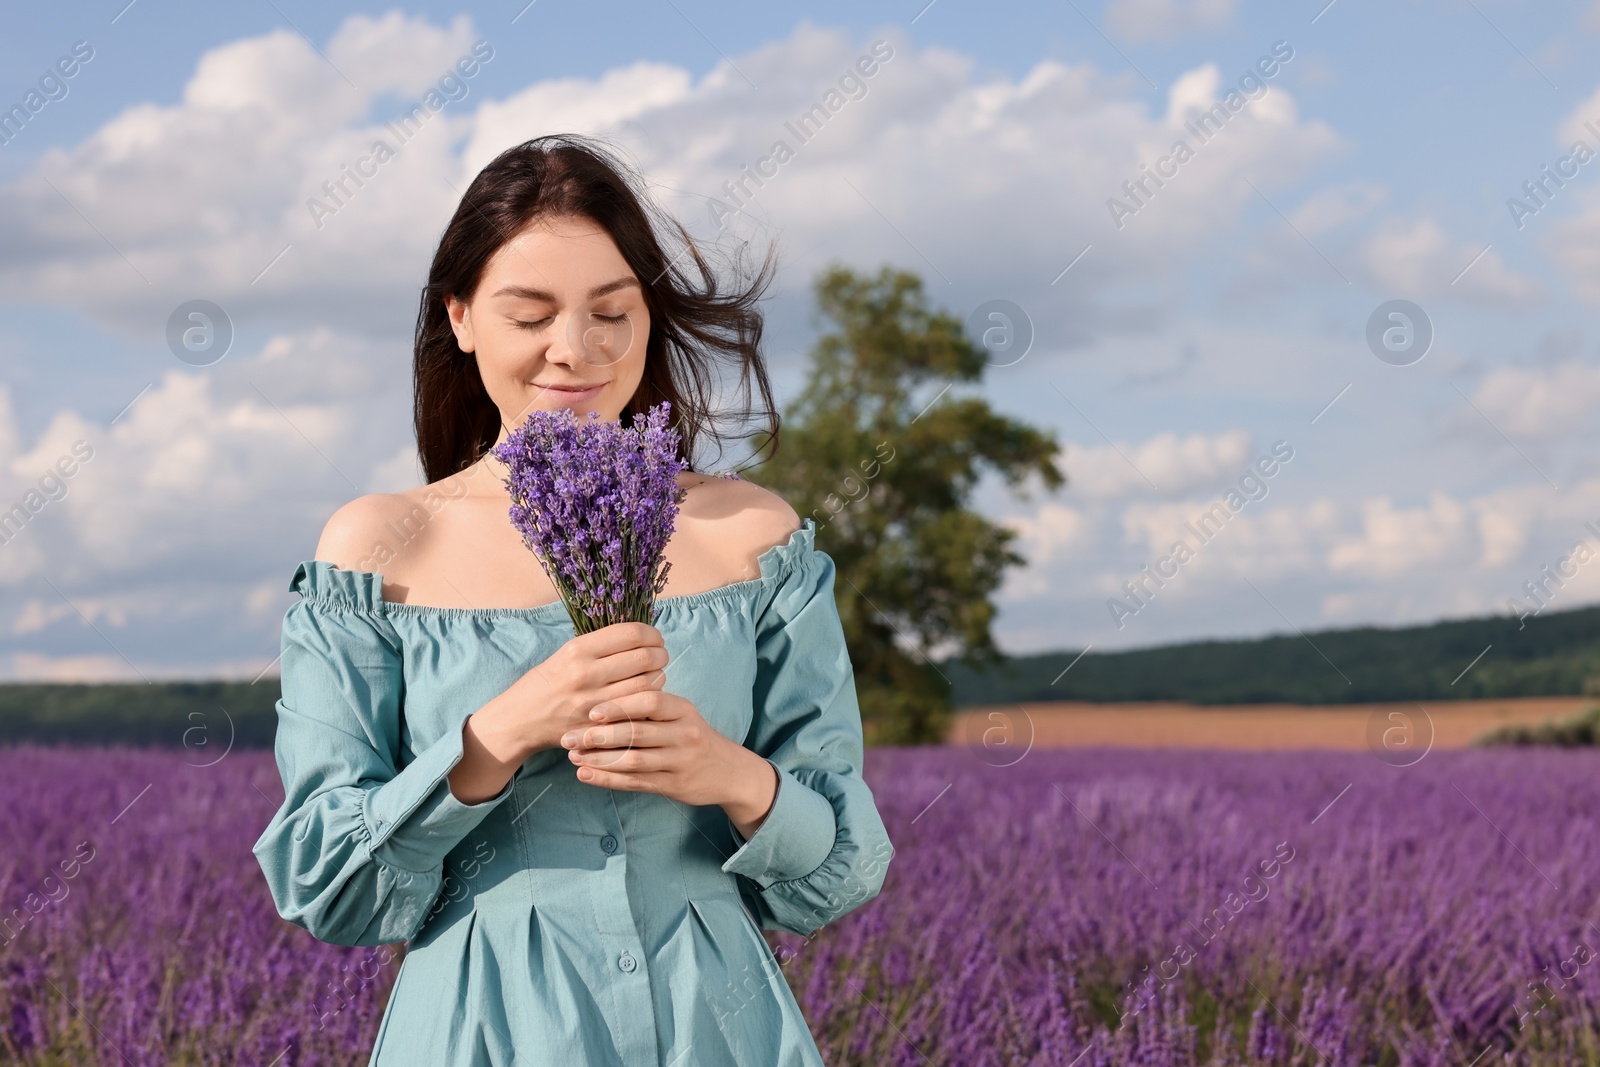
(558, 320)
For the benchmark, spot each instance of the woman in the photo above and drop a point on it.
(579, 837)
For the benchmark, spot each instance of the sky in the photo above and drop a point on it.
(1326, 273)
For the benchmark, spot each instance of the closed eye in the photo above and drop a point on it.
(540, 323)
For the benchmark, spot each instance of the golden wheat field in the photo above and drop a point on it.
(1067, 724)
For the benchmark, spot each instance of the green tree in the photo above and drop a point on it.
(888, 484)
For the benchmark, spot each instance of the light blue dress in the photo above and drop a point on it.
(561, 923)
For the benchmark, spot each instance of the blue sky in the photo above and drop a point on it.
(1229, 313)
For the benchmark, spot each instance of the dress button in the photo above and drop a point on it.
(608, 844)
(627, 963)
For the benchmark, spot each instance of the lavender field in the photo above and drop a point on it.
(1085, 907)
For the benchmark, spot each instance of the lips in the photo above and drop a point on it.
(573, 391)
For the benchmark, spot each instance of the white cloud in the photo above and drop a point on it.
(1502, 536)
(1164, 20)
(1262, 538)
(320, 364)
(1489, 544)
(1467, 537)
(36, 614)
(1573, 128)
(575, 104)
(399, 472)
(109, 667)
(1545, 402)
(1052, 531)
(8, 423)
(1419, 261)
(1331, 208)
(1174, 464)
(1574, 244)
(1393, 541)
(37, 667)
(394, 53)
(1573, 241)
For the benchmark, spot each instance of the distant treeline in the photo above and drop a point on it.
(201, 717)
(1553, 654)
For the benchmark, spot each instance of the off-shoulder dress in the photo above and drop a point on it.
(561, 923)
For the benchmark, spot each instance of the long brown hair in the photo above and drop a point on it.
(696, 323)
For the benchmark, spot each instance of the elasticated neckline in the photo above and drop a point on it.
(323, 582)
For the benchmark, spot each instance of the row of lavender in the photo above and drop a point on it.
(1088, 908)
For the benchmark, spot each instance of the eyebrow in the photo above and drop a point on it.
(527, 293)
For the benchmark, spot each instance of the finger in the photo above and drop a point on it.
(620, 733)
(623, 760)
(630, 783)
(656, 704)
(619, 636)
(627, 662)
(627, 733)
(637, 683)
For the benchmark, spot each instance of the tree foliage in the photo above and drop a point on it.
(884, 454)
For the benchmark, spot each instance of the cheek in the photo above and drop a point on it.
(632, 369)
(502, 361)
(495, 353)
(641, 337)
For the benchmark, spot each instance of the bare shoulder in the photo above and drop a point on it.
(765, 518)
(747, 519)
(354, 532)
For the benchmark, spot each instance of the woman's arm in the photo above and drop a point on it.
(822, 850)
(355, 853)
(751, 793)
(491, 751)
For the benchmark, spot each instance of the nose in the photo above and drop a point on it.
(562, 350)
(599, 340)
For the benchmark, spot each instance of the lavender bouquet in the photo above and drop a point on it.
(596, 503)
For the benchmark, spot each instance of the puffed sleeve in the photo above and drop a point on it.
(355, 854)
(822, 849)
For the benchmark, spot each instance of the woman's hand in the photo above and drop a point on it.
(657, 742)
(614, 662)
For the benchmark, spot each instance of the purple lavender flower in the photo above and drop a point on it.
(596, 503)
